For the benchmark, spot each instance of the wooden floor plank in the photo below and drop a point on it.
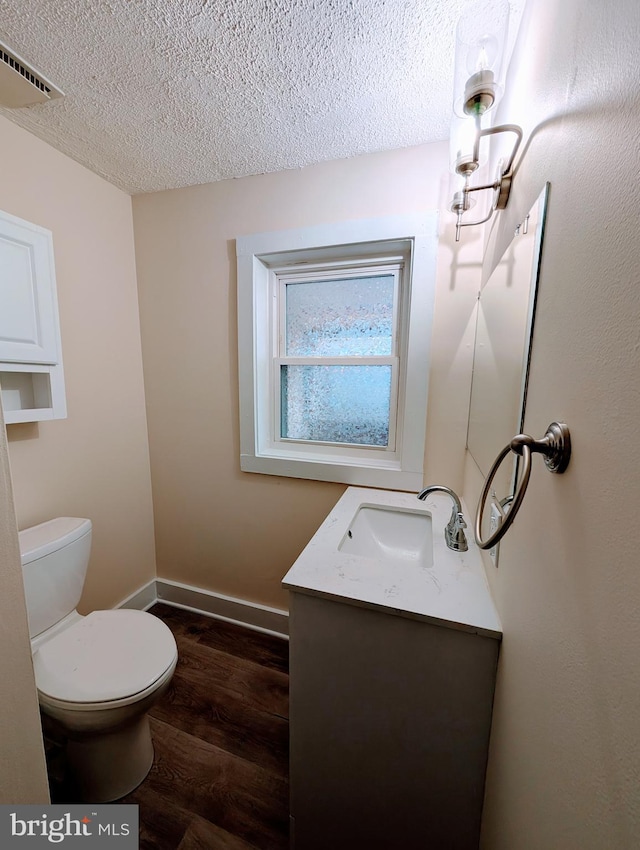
(202, 835)
(230, 792)
(247, 683)
(266, 650)
(163, 824)
(226, 722)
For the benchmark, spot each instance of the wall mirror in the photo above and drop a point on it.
(504, 329)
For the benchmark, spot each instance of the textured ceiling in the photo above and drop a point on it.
(168, 93)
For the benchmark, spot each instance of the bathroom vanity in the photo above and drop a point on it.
(394, 647)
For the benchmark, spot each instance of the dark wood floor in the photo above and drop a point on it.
(219, 780)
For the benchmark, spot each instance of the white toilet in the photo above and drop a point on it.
(98, 675)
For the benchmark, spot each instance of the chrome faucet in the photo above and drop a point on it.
(453, 532)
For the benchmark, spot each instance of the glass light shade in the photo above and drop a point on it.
(480, 44)
(462, 136)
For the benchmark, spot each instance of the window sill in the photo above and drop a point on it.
(385, 476)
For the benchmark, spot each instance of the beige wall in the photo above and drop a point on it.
(217, 528)
(565, 748)
(95, 463)
(23, 775)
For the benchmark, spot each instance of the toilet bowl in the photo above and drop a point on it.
(97, 675)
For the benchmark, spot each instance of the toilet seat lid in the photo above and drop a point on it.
(107, 655)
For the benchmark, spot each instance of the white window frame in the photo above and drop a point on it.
(281, 277)
(410, 240)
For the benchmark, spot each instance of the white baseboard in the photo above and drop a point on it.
(251, 615)
(142, 599)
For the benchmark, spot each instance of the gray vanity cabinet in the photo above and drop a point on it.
(390, 719)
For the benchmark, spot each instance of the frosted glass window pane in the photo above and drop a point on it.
(340, 318)
(336, 404)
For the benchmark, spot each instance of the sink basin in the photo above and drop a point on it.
(394, 535)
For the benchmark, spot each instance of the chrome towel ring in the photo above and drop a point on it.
(556, 448)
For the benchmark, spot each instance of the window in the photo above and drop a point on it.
(334, 328)
(336, 369)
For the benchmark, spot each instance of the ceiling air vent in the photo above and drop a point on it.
(21, 85)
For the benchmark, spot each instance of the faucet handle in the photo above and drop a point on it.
(454, 532)
(455, 537)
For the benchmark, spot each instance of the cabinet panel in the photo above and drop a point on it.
(31, 375)
(390, 721)
(28, 314)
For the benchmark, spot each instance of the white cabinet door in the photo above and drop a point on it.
(28, 305)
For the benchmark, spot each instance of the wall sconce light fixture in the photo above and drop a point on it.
(478, 85)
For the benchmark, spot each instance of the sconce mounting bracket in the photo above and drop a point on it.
(503, 188)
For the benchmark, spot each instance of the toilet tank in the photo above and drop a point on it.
(55, 555)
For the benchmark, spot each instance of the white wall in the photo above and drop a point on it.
(565, 747)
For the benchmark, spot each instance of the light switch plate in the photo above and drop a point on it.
(495, 522)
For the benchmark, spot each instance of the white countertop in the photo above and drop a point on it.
(452, 593)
